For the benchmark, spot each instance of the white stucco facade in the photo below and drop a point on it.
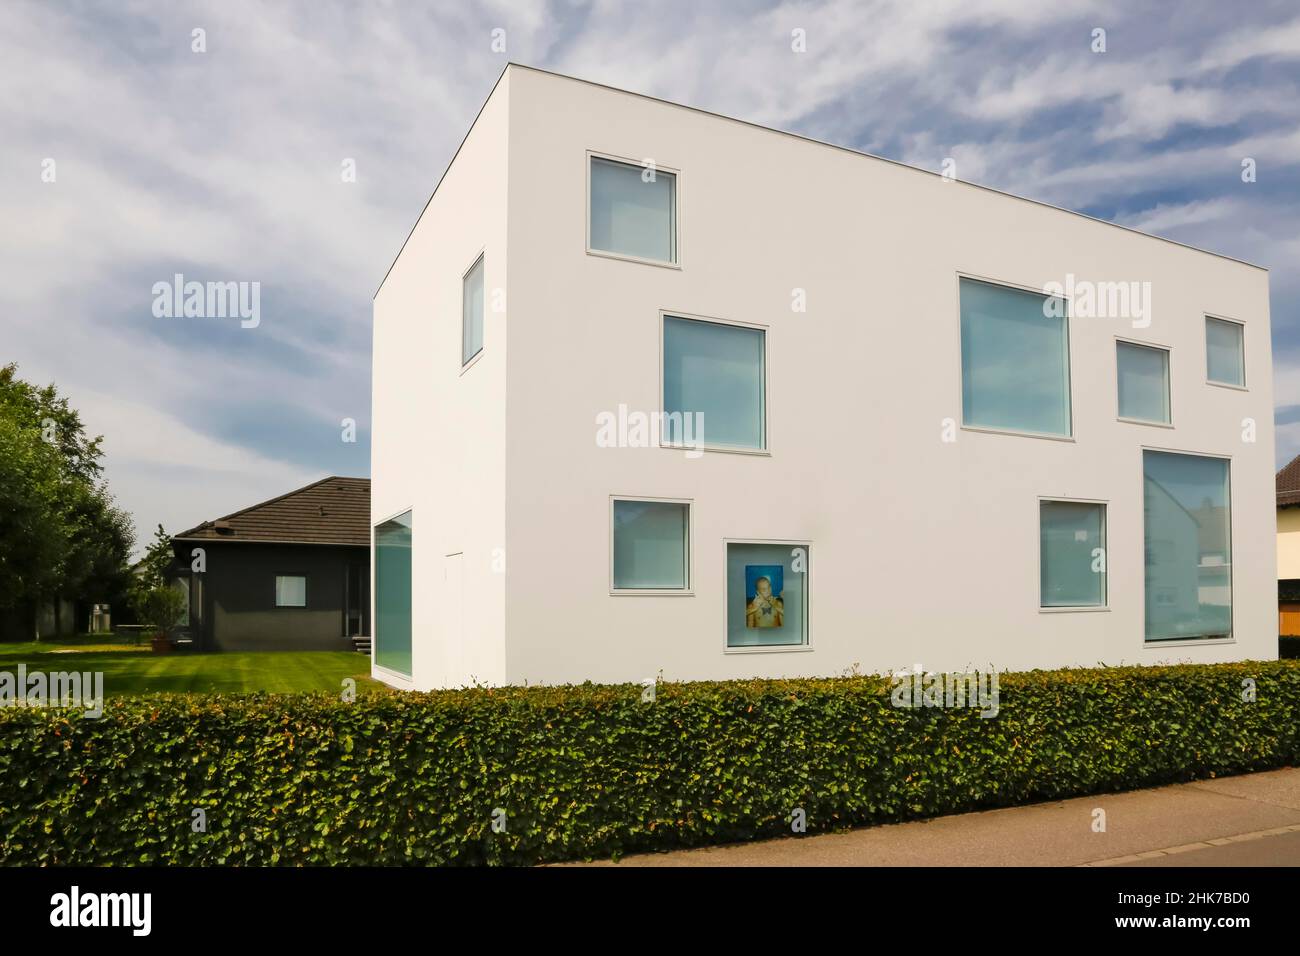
(922, 534)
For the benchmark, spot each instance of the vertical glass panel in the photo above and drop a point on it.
(393, 594)
(290, 591)
(472, 313)
(713, 384)
(1072, 555)
(1015, 359)
(651, 545)
(1187, 515)
(1143, 374)
(1224, 353)
(630, 216)
(767, 595)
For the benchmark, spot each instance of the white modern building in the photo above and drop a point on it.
(663, 393)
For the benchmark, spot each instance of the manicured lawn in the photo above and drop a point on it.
(131, 671)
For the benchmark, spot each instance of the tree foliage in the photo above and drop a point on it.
(60, 531)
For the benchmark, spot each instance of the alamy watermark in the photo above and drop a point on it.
(208, 300)
(915, 688)
(71, 689)
(632, 429)
(1099, 300)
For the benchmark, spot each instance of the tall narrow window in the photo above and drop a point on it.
(1072, 554)
(1015, 359)
(393, 594)
(652, 544)
(633, 211)
(472, 306)
(1187, 516)
(714, 384)
(1143, 375)
(1225, 358)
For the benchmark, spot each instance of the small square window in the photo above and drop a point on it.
(290, 591)
(714, 384)
(1225, 359)
(1143, 376)
(1072, 554)
(633, 211)
(472, 305)
(652, 544)
(767, 595)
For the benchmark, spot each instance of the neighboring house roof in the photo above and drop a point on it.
(1288, 484)
(330, 511)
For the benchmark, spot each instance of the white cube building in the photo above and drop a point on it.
(663, 393)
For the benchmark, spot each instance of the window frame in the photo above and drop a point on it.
(766, 450)
(1038, 561)
(689, 589)
(961, 377)
(1169, 381)
(1232, 576)
(466, 363)
(1205, 345)
(306, 593)
(803, 648)
(591, 155)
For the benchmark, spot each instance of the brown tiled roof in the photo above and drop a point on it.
(1288, 484)
(330, 511)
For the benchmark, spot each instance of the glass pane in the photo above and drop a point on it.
(767, 595)
(1187, 517)
(651, 542)
(1015, 361)
(393, 594)
(715, 371)
(630, 216)
(290, 591)
(472, 313)
(1072, 556)
(1223, 352)
(1143, 382)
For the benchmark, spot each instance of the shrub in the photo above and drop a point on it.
(595, 771)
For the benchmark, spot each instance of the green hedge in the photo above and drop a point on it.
(595, 771)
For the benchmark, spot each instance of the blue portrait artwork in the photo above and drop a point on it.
(764, 585)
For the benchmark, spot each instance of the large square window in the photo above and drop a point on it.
(393, 594)
(290, 590)
(1072, 554)
(652, 545)
(1143, 375)
(1187, 517)
(767, 595)
(714, 373)
(1015, 359)
(633, 211)
(1225, 359)
(472, 306)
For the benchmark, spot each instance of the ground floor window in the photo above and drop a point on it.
(290, 590)
(393, 594)
(767, 594)
(651, 545)
(1187, 515)
(1071, 554)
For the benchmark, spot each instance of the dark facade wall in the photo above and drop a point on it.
(237, 596)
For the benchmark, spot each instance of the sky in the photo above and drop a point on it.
(293, 145)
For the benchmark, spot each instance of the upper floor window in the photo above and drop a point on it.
(1142, 372)
(472, 306)
(1225, 358)
(714, 386)
(633, 211)
(1015, 359)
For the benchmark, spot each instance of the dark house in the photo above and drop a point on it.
(292, 573)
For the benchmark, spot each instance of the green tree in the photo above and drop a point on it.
(60, 532)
